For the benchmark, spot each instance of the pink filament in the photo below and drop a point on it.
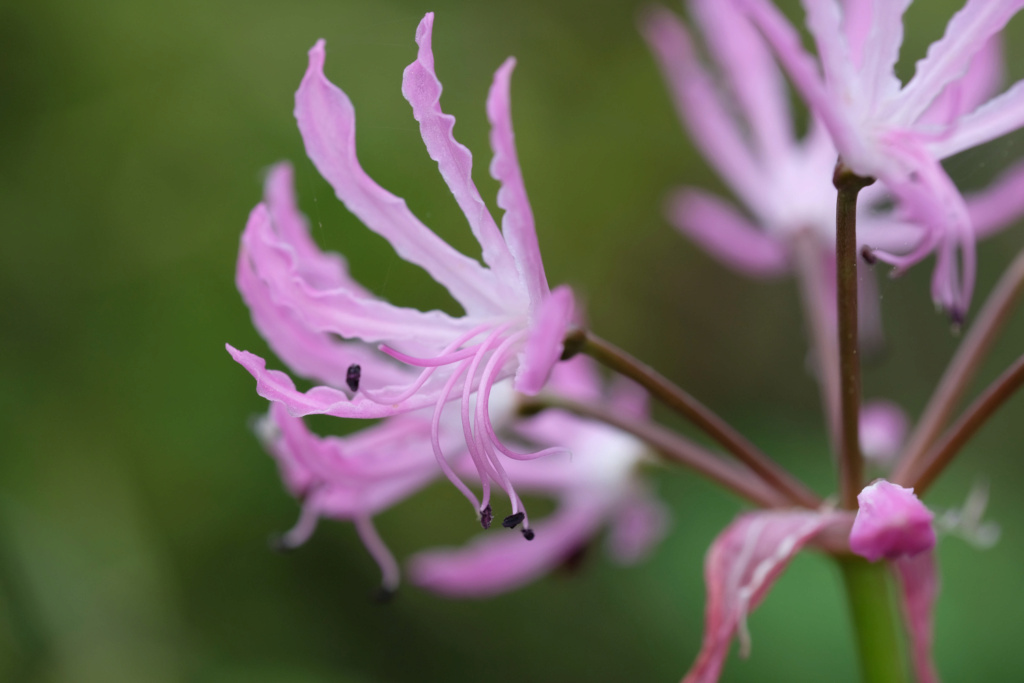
(435, 440)
(378, 551)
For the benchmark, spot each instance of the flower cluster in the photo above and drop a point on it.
(504, 397)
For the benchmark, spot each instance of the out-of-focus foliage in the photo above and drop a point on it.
(135, 504)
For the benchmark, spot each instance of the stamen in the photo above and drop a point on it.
(379, 552)
(512, 521)
(352, 376)
(435, 439)
(436, 361)
(486, 517)
(868, 254)
(528, 534)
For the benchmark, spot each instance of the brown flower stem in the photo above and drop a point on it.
(962, 368)
(938, 457)
(851, 462)
(686, 405)
(821, 328)
(672, 447)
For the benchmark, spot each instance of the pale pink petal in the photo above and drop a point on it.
(752, 74)
(701, 107)
(999, 205)
(919, 586)
(545, 343)
(339, 311)
(517, 223)
(311, 354)
(326, 120)
(802, 68)
(857, 16)
(740, 568)
(948, 58)
(494, 563)
(974, 88)
(422, 89)
(891, 522)
(824, 21)
(883, 426)
(275, 385)
(882, 50)
(320, 269)
(726, 234)
(997, 117)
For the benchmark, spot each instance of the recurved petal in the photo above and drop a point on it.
(948, 58)
(919, 586)
(740, 568)
(637, 525)
(978, 85)
(517, 223)
(341, 311)
(311, 354)
(726, 234)
(882, 50)
(501, 561)
(326, 120)
(422, 89)
(544, 344)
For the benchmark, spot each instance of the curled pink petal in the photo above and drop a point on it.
(544, 345)
(891, 522)
(739, 570)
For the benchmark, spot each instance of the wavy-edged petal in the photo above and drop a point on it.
(326, 120)
(342, 311)
(726, 234)
(740, 568)
(978, 85)
(1000, 204)
(422, 89)
(517, 223)
(882, 49)
(948, 58)
(545, 342)
(918, 580)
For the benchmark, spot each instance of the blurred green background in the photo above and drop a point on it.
(135, 504)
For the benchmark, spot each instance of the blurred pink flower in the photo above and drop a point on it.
(899, 133)
(595, 482)
(322, 323)
(883, 427)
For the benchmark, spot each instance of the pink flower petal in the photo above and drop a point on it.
(919, 586)
(701, 107)
(891, 522)
(544, 345)
(949, 57)
(999, 205)
(517, 224)
(326, 120)
(974, 88)
(997, 117)
(740, 568)
(882, 49)
(422, 89)
(501, 561)
(726, 234)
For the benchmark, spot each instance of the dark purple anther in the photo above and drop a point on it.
(528, 534)
(511, 521)
(352, 376)
(486, 516)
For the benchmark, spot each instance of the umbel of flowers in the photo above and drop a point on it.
(506, 398)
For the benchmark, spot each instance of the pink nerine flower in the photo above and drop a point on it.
(891, 522)
(323, 323)
(899, 133)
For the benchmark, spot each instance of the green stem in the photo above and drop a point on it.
(851, 462)
(879, 641)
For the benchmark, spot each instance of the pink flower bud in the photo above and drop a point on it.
(891, 523)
